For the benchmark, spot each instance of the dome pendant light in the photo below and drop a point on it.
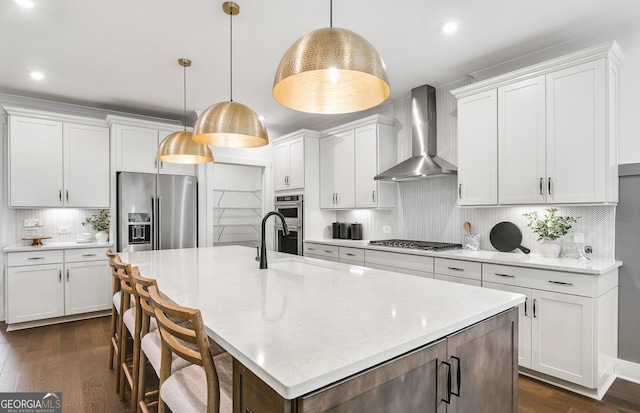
(179, 147)
(331, 71)
(230, 124)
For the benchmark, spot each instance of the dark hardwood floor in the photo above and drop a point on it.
(72, 358)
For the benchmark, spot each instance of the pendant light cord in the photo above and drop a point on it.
(185, 95)
(330, 13)
(231, 55)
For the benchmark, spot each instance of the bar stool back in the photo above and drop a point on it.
(195, 388)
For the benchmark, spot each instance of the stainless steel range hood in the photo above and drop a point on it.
(425, 162)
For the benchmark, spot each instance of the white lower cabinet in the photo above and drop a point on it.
(405, 263)
(34, 292)
(48, 284)
(568, 323)
(462, 272)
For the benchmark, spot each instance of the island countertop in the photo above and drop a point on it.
(305, 323)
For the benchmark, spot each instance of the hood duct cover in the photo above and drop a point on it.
(425, 162)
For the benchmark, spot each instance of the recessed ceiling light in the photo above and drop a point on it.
(37, 75)
(25, 3)
(450, 27)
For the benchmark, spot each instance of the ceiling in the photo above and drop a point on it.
(122, 54)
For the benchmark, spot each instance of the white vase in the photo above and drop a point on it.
(102, 236)
(549, 248)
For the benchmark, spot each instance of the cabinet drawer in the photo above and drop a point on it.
(457, 268)
(399, 261)
(15, 259)
(459, 280)
(556, 281)
(85, 254)
(328, 251)
(351, 254)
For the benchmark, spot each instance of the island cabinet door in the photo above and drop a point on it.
(484, 366)
(412, 383)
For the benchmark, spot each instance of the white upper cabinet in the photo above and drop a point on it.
(337, 171)
(576, 134)
(137, 145)
(57, 161)
(86, 166)
(351, 155)
(478, 149)
(556, 133)
(288, 168)
(375, 152)
(521, 142)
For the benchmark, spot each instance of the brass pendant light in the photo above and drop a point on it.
(331, 71)
(230, 124)
(179, 147)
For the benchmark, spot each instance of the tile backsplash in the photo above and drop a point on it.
(49, 222)
(427, 210)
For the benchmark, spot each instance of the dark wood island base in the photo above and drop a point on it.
(474, 369)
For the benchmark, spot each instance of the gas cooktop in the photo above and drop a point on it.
(416, 245)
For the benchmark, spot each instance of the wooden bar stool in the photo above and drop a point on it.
(116, 315)
(127, 327)
(195, 388)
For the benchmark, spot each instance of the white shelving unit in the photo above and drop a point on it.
(237, 217)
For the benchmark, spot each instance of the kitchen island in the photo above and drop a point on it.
(306, 328)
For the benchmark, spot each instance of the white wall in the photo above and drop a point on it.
(629, 116)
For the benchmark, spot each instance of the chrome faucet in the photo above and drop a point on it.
(263, 246)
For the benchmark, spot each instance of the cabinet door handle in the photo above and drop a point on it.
(460, 191)
(458, 377)
(311, 249)
(526, 300)
(456, 268)
(549, 185)
(67, 274)
(89, 255)
(560, 282)
(328, 251)
(35, 258)
(67, 194)
(60, 195)
(373, 196)
(60, 276)
(350, 254)
(541, 185)
(534, 307)
(337, 198)
(505, 275)
(448, 399)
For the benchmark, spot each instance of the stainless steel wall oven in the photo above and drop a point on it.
(291, 207)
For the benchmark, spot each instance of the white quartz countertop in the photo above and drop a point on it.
(305, 323)
(583, 266)
(57, 246)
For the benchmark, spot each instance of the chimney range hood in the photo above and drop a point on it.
(425, 162)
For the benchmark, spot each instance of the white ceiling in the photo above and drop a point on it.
(122, 54)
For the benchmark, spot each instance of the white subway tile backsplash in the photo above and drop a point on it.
(49, 221)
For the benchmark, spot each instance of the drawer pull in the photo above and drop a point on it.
(350, 254)
(505, 275)
(328, 251)
(311, 249)
(456, 268)
(35, 258)
(560, 282)
(89, 255)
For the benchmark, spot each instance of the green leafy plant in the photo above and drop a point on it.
(551, 226)
(99, 221)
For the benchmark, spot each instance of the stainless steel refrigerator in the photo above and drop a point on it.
(156, 211)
